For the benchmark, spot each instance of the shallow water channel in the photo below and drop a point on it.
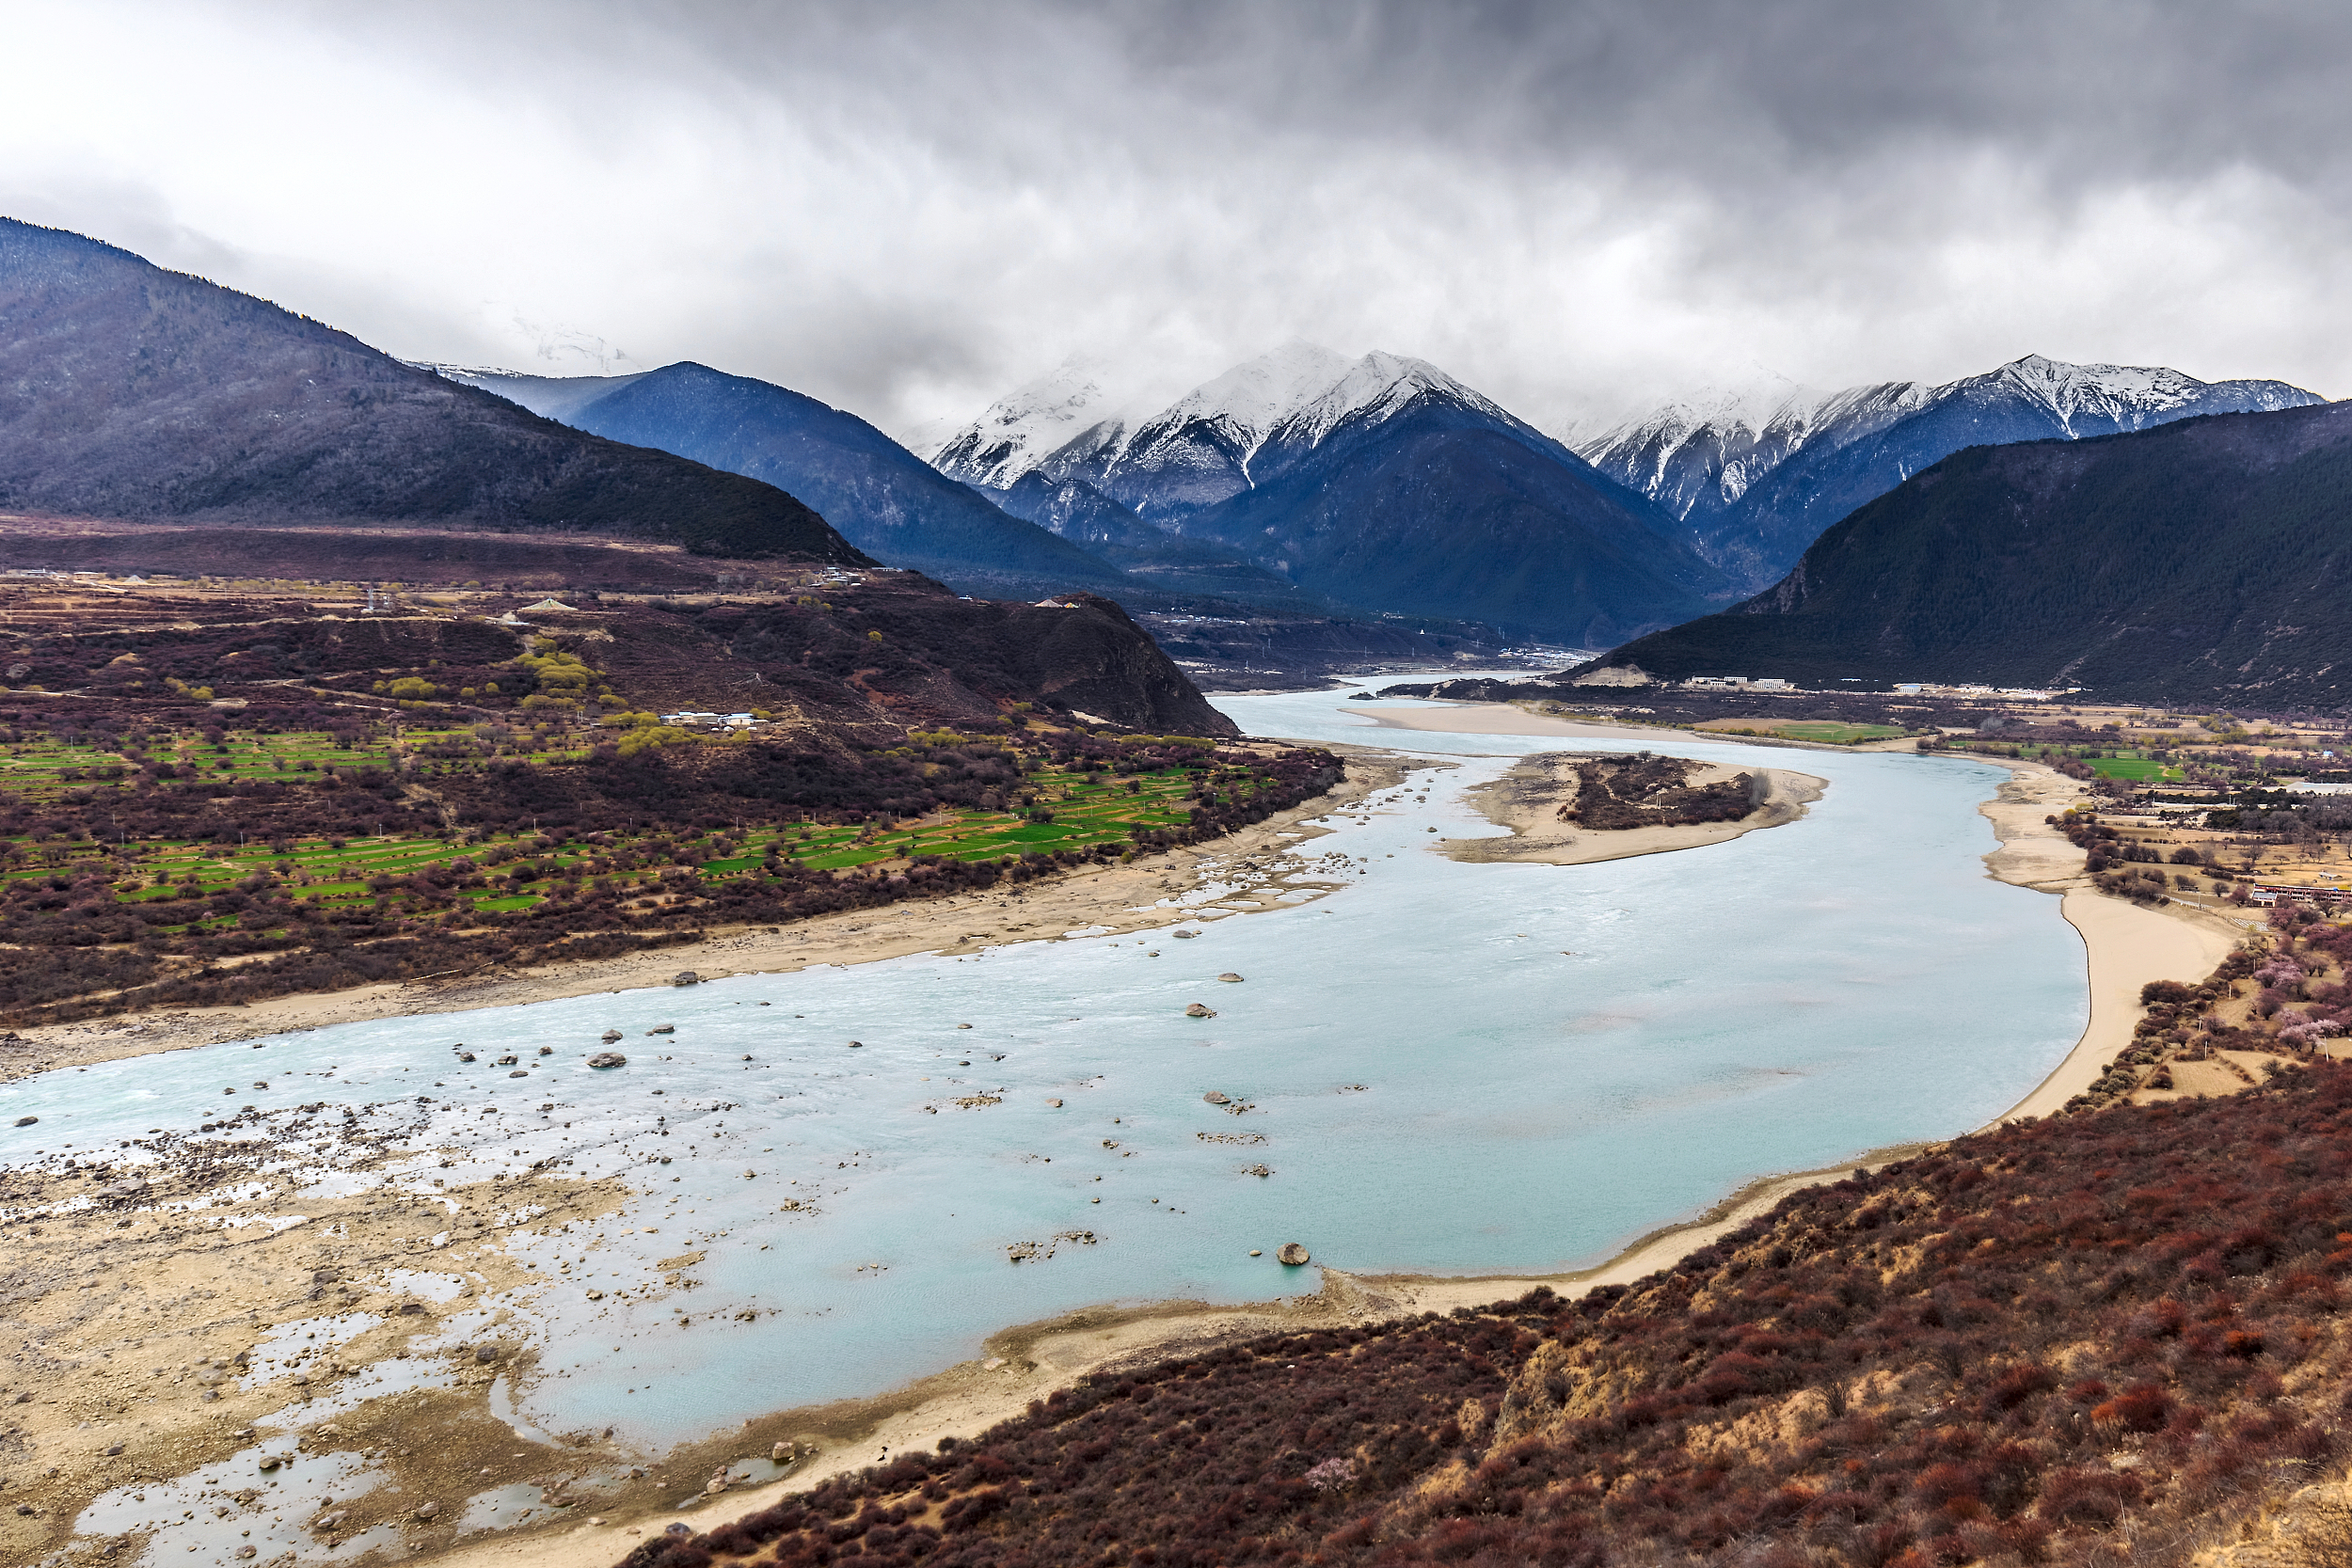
(1445, 1067)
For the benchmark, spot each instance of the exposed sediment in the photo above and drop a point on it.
(1531, 799)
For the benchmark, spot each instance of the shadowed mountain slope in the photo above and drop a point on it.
(2204, 563)
(129, 392)
(883, 498)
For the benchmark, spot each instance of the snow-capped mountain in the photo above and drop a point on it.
(1380, 482)
(1066, 407)
(1198, 450)
(1231, 433)
(1757, 480)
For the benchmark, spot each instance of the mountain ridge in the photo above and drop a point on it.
(1757, 481)
(127, 391)
(2201, 562)
(880, 497)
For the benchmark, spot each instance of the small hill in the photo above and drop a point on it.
(2199, 564)
(882, 498)
(132, 392)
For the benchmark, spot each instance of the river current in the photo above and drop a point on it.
(1442, 1066)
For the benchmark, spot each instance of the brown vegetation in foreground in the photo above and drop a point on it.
(2104, 1338)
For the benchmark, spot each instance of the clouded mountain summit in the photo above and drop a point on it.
(1757, 478)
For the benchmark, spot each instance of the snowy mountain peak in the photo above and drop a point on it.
(2124, 396)
(1257, 394)
(1205, 446)
(1027, 425)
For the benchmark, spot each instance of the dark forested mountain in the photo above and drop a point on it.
(2207, 562)
(129, 392)
(883, 498)
(1381, 484)
(1758, 479)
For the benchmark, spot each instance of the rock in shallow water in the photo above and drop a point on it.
(1291, 1253)
(608, 1058)
(1230, 978)
(1199, 1009)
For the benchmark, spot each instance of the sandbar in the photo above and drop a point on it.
(1528, 798)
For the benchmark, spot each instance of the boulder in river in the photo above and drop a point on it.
(1216, 1097)
(1187, 936)
(608, 1058)
(612, 1035)
(1291, 1253)
(686, 977)
(1197, 1009)
(663, 1029)
(26, 1121)
(1230, 978)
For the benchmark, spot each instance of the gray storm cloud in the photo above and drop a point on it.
(906, 209)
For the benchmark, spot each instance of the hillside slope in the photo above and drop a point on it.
(129, 392)
(1758, 481)
(2201, 563)
(881, 497)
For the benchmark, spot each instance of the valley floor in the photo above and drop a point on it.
(2127, 945)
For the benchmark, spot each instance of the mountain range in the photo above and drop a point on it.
(1756, 476)
(128, 391)
(2201, 562)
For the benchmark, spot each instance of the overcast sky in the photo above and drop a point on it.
(905, 209)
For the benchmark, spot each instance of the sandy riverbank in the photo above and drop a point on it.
(2125, 945)
(1149, 893)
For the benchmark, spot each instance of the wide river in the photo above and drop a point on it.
(1452, 1068)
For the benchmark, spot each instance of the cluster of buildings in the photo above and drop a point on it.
(710, 721)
